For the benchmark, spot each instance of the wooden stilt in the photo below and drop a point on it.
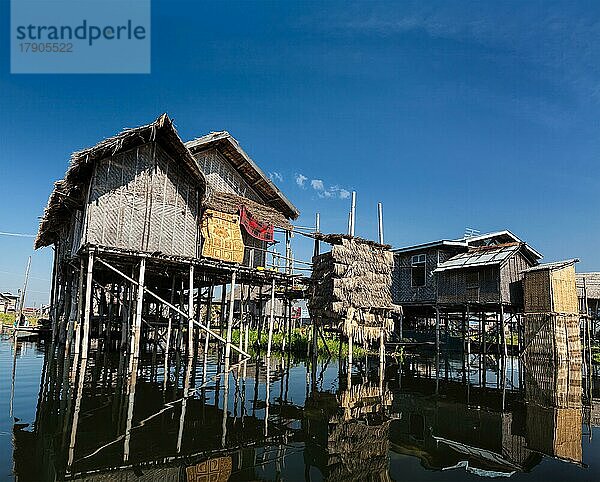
(271, 318)
(230, 318)
(169, 331)
(191, 312)
(137, 327)
(87, 307)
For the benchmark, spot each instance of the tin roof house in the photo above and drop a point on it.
(479, 270)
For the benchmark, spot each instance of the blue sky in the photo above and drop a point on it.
(481, 114)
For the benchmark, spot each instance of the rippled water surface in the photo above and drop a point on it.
(282, 419)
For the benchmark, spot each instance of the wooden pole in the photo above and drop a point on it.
(87, 307)
(169, 331)
(137, 327)
(170, 305)
(271, 318)
(381, 346)
(223, 304)
(191, 312)
(437, 329)
(353, 214)
(230, 318)
(22, 298)
(317, 249)
(380, 219)
(209, 317)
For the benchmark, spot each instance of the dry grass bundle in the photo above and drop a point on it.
(352, 287)
(231, 203)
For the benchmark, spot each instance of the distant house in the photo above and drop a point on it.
(483, 269)
(588, 287)
(486, 275)
(8, 302)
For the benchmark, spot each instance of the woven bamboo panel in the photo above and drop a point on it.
(564, 290)
(551, 291)
(552, 336)
(143, 200)
(554, 385)
(537, 292)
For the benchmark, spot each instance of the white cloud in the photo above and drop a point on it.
(344, 194)
(300, 180)
(323, 191)
(317, 185)
(276, 176)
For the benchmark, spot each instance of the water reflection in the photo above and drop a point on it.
(282, 419)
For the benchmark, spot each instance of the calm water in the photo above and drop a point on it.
(304, 424)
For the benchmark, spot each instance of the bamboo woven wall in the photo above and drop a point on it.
(221, 176)
(552, 337)
(553, 392)
(142, 200)
(551, 291)
(537, 292)
(564, 290)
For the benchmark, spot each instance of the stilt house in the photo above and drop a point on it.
(143, 208)
(484, 269)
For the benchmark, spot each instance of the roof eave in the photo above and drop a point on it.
(433, 244)
(206, 142)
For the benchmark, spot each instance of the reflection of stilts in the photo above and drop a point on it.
(186, 390)
(131, 386)
(267, 395)
(14, 370)
(78, 397)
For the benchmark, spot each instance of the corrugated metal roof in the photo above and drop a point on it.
(483, 257)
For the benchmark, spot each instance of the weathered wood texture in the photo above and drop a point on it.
(474, 285)
(143, 200)
(486, 284)
(403, 289)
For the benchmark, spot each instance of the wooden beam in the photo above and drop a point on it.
(171, 306)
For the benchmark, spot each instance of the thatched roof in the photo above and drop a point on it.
(230, 204)
(68, 193)
(231, 149)
(339, 239)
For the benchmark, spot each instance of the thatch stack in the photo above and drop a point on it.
(352, 287)
(358, 451)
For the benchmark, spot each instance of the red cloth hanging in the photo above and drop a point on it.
(256, 229)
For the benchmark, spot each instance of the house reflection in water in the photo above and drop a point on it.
(488, 432)
(347, 434)
(269, 421)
